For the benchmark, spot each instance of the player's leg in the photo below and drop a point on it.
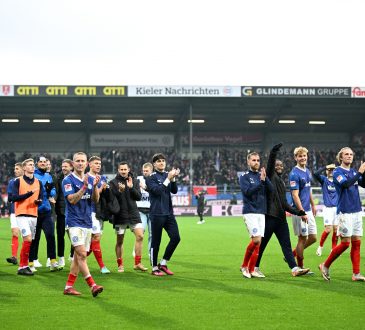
(283, 236)
(48, 228)
(270, 224)
(312, 230)
(172, 230)
(60, 231)
(138, 233)
(33, 254)
(14, 240)
(157, 223)
(120, 231)
(96, 245)
(355, 246)
(27, 226)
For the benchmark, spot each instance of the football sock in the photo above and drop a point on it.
(70, 280)
(24, 254)
(253, 259)
(137, 260)
(97, 253)
(14, 246)
(120, 262)
(90, 281)
(334, 239)
(323, 238)
(295, 253)
(300, 261)
(249, 250)
(355, 256)
(336, 252)
(163, 262)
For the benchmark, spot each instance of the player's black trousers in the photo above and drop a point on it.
(60, 230)
(158, 223)
(280, 228)
(45, 222)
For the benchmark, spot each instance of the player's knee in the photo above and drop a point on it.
(139, 237)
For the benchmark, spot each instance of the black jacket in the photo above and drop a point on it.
(107, 206)
(128, 213)
(276, 199)
(60, 199)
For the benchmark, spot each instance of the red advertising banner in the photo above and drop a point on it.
(210, 190)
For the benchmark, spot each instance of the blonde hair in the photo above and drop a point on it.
(300, 150)
(339, 154)
(252, 154)
(145, 165)
(79, 154)
(25, 162)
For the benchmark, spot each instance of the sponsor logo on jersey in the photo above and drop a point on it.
(68, 187)
(339, 178)
(293, 183)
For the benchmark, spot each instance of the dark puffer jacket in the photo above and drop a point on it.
(128, 213)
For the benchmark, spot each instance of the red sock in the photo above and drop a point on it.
(14, 246)
(334, 239)
(355, 256)
(323, 238)
(24, 254)
(91, 248)
(90, 281)
(300, 261)
(336, 252)
(97, 253)
(120, 262)
(71, 279)
(295, 253)
(137, 260)
(253, 259)
(249, 250)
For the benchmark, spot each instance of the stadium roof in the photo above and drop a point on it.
(223, 114)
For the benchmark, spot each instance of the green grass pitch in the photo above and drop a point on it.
(206, 292)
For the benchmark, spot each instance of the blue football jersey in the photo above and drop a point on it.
(329, 192)
(103, 179)
(301, 180)
(348, 198)
(78, 215)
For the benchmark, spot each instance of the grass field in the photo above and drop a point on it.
(206, 292)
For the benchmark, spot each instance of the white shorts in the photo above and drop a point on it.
(349, 224)
(302, 228)
(97, 224)
(26, 225)
(255, 224)
(80, 236)
(120, 229)
(13, 222)
(330, 217)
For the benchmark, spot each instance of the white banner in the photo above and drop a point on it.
(6, 90)
(131, 140)
(182, 91)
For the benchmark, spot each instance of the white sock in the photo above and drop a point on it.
(163, 262)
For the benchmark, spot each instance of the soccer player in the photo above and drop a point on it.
(300, 185)
(329, 193)
(80, 190)
(347, 181)
(200, 208)
(26, 195)
(275, 217)
(66, 169)
(254, 186)
(160, 185)
(97, 229)
(126, 189)
(18, 172)
(144, 204)
(44, 221)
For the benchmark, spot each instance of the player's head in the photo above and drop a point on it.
(18, 169)
(147, 169)
(66, 166)
(345, 156)
(95, 164)
(28, 166)
(42, 163)
(123, 169)
(301, 156)
(253, 161)
(329, 170)
(279, 167)
(159, 161)
(79, 161)
(48, 166)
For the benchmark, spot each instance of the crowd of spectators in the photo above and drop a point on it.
(211, 166)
